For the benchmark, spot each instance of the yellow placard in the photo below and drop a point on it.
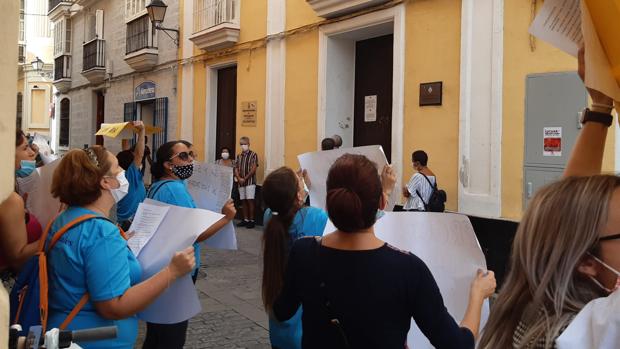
(111, 130)
(605, 15)
(114, 130)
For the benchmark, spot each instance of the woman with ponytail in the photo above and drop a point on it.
(287, 219)
(359, 292)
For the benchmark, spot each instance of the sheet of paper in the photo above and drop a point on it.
(432, 237)
(125, 130)
(569, 25)
(559, 23)
(211, 186)
(38, 186)
(599, 72)
(179, 229)
(317, 165)
(597, 326)
(145, 223)
(42, 143)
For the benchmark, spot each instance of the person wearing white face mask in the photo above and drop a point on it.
(91, 263)
(225, 158)
(245, 172)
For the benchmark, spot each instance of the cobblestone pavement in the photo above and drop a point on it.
(232, 313)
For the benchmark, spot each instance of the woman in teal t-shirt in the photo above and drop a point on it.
(286, 220)
(93, 258)
(173, 165)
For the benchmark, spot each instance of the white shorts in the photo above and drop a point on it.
(247, 192)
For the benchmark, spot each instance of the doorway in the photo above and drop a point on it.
(372, 122)
(341, 94)
(226, 113)
(100, 116)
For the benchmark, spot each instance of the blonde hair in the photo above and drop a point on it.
(543, 288)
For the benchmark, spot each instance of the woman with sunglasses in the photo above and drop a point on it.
(173, 165)
(567, 250)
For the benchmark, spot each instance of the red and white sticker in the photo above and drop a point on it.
(552, 141)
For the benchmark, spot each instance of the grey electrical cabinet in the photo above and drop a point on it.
(553, 105)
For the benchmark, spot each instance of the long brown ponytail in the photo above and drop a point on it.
(280, 190)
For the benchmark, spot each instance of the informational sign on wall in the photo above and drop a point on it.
(370, 108)
(144, 91)
(248, 110)
(552, 141)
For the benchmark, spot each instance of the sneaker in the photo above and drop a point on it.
(243, 223)
(250, 225)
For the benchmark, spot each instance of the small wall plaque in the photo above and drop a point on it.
(431, 93)
(248, 110)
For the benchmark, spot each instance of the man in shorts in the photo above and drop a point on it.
(245, 172)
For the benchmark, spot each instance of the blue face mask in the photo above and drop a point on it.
(380, 214)
(27, 167)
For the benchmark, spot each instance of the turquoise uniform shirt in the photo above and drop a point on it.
(90, 257)
(127, 207)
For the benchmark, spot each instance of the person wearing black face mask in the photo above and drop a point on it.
(174, 164)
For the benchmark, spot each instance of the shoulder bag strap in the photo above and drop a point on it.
(152, 192)
(78, 307)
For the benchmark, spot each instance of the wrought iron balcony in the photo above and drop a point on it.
(216, 23)
(93, 60)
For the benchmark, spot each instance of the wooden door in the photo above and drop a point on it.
(373, 93)
(226, 123)
(100, 116)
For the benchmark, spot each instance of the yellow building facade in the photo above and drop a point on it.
(301, 71)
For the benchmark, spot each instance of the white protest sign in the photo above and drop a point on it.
(317, 165)
(448, 245)
(39, 186)
(597, 326)
(47, 155)
(210, 187)
(178, 230)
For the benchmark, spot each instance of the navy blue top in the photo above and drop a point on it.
(374, 294)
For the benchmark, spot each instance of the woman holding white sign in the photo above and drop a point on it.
(174, 164)
(359, 292)
(91, 269)
(286, 220)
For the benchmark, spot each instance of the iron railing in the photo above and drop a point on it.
(140, 35)
(93, 54)
(210, 13)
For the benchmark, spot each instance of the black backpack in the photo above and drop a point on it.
(437, 201)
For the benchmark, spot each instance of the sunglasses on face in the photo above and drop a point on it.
(184, 155)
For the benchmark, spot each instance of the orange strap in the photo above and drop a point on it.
(43, 238)
(68, 226)
(21, 297)
(74, 312)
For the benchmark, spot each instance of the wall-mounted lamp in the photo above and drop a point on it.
(157, 12)
(37, 64)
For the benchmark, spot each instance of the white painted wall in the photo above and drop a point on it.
(340, 73)
(275, 87)
(481, 107)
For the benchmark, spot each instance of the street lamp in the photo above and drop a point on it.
(157, 12)
(37, 64)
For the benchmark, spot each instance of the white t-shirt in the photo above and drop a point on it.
(597, 326)
(420, 184)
